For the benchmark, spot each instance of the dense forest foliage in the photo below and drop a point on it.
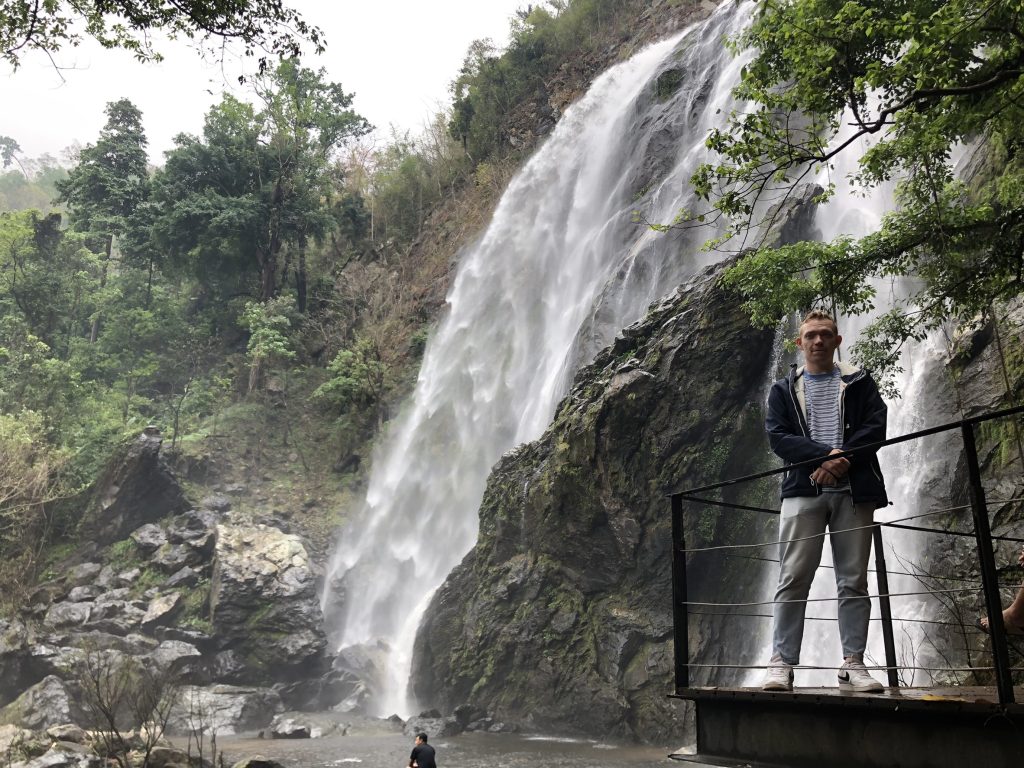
(262, 296)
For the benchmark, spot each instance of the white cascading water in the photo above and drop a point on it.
(561, 268)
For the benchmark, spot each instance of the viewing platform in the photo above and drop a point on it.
(962, 726)
(903, 726)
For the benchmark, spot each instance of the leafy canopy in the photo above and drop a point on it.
(926, 79)
(263, 27)
(232, 206)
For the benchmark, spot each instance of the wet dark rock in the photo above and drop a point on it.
(434, 727)
(335, 687)
(68, 733)
(466, 714)
(264, 603)
(17, 671)
(257, 761)
(45, 704)
(185, 577)
(85, 593)
(528, 627)
(161, 609)
(226, 709)
(227, 665)
(289, 728)
(149, 538)
(136, 488)
(217, 502)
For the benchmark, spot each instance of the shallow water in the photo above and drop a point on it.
(471, 750)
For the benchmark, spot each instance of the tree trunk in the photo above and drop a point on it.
(300, 275)
(94, 332)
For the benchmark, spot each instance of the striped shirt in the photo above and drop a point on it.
(821, 393)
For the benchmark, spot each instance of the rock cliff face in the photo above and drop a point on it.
(560, 617)
(224, 604)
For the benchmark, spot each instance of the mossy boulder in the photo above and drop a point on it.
(560, 617)
(136, 488)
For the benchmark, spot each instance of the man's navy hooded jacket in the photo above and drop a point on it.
(863, 414)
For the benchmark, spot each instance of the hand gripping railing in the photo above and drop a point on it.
(982, 533)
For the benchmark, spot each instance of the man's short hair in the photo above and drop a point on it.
(422, 737)
(820, 314)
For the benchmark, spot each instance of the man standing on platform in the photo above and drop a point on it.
(817, 411)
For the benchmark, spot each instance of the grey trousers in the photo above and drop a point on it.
(801, 528)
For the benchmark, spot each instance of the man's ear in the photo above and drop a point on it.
(839, 340)
(799, 341)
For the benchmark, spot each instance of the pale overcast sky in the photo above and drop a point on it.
(398, 56)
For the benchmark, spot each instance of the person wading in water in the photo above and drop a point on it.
(422, 753)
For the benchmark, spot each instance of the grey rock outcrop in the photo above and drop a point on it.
(264, 603)
(137, 488)
(225, 709)
(46, 704)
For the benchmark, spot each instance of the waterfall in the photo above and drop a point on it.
(560, 269)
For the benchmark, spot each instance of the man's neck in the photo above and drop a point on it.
(817, 370)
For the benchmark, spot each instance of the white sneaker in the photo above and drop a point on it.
(853, 676)
(778, 677)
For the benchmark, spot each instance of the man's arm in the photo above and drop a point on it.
(785, 437)
(873, 419)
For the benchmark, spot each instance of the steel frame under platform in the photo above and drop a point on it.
(959, 727)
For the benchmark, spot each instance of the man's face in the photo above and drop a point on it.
(818, 340)
(419, 740)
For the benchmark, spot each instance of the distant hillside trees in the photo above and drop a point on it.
(237, 207)
(543, 37)
(109, 183)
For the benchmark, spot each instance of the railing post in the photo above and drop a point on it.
(882, 579)
(989, 578)
(679, 598)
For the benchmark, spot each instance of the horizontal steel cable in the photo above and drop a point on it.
(971, 629)
(827, 567)
(874, 668)
(719, 547)
(828, 599)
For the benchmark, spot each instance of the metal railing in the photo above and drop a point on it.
(982, 534)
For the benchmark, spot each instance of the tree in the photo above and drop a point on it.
(269, 326)
(48, 278)
(110, 182)
(30, 479)
(235, 206)
(264, 27)
(9, 151)
(923, 77)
